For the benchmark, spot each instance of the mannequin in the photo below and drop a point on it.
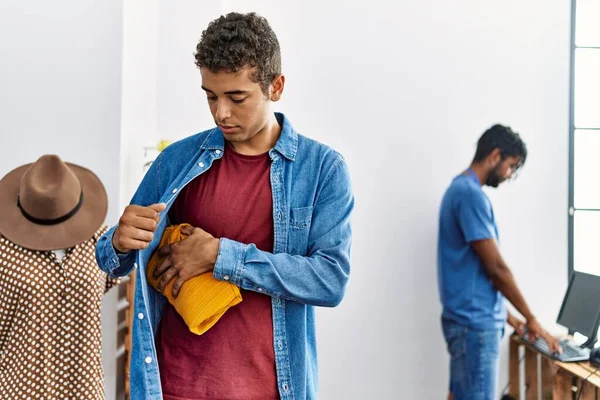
(51, 217)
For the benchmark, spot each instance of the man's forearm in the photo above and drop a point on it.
(509, 317)
(504, 281)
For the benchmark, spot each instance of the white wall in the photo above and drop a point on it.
(181, 101)
(404, 91)
(162, 98)
(60, 90)
(139, 91)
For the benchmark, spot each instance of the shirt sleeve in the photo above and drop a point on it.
(318, 278)
(475, 216)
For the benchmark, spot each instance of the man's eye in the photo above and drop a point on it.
(238, 101)
(211, 98)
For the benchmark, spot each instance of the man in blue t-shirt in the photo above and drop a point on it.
(473, 278)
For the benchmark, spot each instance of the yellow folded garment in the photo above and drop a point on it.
(202, 300)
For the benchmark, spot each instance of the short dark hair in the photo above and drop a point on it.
(503, 138)
(235, 41)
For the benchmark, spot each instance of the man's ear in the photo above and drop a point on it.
(495, 157)
(276, 87)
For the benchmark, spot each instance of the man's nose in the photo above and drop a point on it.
(223, 111)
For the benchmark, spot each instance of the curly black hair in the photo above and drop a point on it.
(235, 41)
(503, 138)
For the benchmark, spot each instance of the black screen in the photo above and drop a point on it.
(581, 306)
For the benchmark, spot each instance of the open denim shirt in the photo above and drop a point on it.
(309, 266)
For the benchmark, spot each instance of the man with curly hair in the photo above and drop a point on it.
(270, 211)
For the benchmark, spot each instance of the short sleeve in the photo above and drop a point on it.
(475, 216)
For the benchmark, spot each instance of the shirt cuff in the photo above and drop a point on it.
(108, 253)
(230, 261)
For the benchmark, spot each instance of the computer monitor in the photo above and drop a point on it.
(580, 310)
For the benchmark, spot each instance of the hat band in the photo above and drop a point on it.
(53, 221)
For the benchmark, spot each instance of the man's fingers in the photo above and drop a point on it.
(532, 337)
(132, 233)
(136, 227)
(164, 251)
(133, 244)
(147, 220)
(140, 211)
(162, 267)
(166, 278)
(177, 286)
(158, 207)
(187, 230)
(145, 223)
(554, 344)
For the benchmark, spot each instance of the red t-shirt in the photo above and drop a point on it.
(234, 359)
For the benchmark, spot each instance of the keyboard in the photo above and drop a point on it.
(571, 352)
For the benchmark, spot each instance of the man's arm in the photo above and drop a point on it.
(501, 275)
(504, 281)
(317, 278)
(516, 323)
(116, 249)
(114, 264)
(475, 218)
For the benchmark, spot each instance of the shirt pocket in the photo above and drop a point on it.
(300, 222)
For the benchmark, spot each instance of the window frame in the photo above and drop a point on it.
(572, 210)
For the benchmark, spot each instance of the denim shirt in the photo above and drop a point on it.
(309, 266)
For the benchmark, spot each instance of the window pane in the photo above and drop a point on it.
(586, 242)
(587, 26)
(587, 169)
(587, 88)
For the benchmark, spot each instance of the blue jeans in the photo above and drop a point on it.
(474, 358)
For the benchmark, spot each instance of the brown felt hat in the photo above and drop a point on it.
(50, 204)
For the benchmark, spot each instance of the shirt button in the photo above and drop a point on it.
(276, 179)
(148, 360)
(284, 386)
(226, 277)
(260, 289)
(279, 215)
(175, 190)
(280, 344)
(134, 265)
(218, 151)
(141, 316)
(201, 165)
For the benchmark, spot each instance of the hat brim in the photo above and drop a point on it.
(77, 229)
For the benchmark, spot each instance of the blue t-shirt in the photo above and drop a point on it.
(467, 294)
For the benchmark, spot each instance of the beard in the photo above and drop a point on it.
(494, 180)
